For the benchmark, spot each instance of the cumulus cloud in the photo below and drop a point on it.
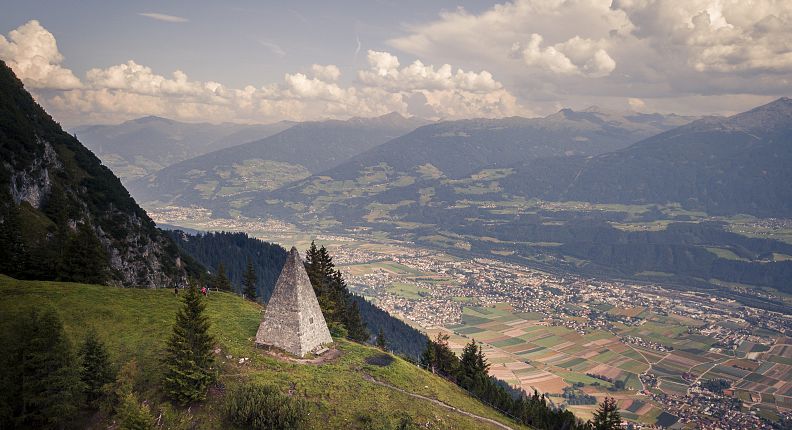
(384, 71)
(326, 73)
(130, 89)
(163, 17)
(548, 51)
(576, 56)
(718, 35)
(451, 93)
(32, 52)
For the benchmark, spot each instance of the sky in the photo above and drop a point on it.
(99, 61)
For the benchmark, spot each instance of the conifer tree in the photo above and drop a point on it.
(134, 415)
(472, 363)
(382, 343)
(40, 376)
(607, 416)
(337, 303)
(130, 413)
(249, 281)
(439, 358)
(355, 326)
(96, 370)
(221, 281)
(311, 265)
(188, 358)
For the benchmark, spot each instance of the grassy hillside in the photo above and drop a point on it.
(135, 323)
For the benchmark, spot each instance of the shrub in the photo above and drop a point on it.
(265, 408)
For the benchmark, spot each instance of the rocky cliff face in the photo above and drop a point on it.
(60, 207)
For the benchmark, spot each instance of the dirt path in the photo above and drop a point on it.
(437, 402)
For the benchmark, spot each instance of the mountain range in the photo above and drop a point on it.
(721, 166)
(465, 158)
(269, 163)
(142, 146)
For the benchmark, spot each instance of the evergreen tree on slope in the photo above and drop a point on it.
(249, 281)
(221, 281)
(96, 370)
(188, 358)
(607, 416)
(40, 378)
(382, 343)
(337, 303)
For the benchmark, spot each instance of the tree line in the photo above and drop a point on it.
(471, 372)
(230, 256)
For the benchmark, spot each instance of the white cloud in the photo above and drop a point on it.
(636, 104)
(549, 58)
(588, 56)
(718, 35)
(450, 93)
(326, 73)
(32, 52)
(548, 51)
(163, 17)
(128, 90)
(384, 71)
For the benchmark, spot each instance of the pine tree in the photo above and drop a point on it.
(468, 368)
(337, 303)
(382, 343)
(96, 370)
(311, 264)
(188, 358)
(134, 415)
(249, 281)
(439, 358)
(354, 324)
(41, 378)
(607, 416)
(130, 413)
(221, 281)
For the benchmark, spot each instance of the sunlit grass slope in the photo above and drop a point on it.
(135, 324)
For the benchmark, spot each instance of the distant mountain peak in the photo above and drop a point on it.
(151, 119)
(392, 115)
(392, 119)
(774, 115)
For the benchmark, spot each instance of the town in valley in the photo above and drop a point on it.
(671, 358)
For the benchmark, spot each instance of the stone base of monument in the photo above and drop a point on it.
(319, 356)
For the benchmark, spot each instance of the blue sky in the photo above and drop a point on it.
(226, 41)
(108, 61)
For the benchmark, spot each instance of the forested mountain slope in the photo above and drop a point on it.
(63, 215)
(721, 166)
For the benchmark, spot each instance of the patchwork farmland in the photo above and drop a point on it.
(527, 352)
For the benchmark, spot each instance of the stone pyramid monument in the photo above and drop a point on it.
(293, 320)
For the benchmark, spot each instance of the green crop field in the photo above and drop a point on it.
(135, 324)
